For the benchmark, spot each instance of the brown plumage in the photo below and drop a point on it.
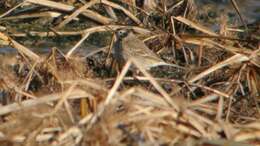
(128, 46)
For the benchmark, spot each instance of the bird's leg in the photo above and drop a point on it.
(118, 69)
(112, 67)
(115, 65)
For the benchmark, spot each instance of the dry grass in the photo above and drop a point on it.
(72, 97)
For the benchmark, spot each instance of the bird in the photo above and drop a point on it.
(127, 45)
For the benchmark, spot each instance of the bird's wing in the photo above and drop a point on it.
(134, 47)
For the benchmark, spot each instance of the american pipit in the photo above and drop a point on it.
(128, 45)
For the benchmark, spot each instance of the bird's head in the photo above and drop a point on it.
(122, 33)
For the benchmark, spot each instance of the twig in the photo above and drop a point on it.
(76, 13)
(77, 45)
(11, 10)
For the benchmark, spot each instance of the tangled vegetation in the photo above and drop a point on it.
(61, 85)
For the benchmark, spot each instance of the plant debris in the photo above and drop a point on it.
(60, 83)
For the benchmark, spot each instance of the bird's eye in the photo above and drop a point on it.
(122, 33)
